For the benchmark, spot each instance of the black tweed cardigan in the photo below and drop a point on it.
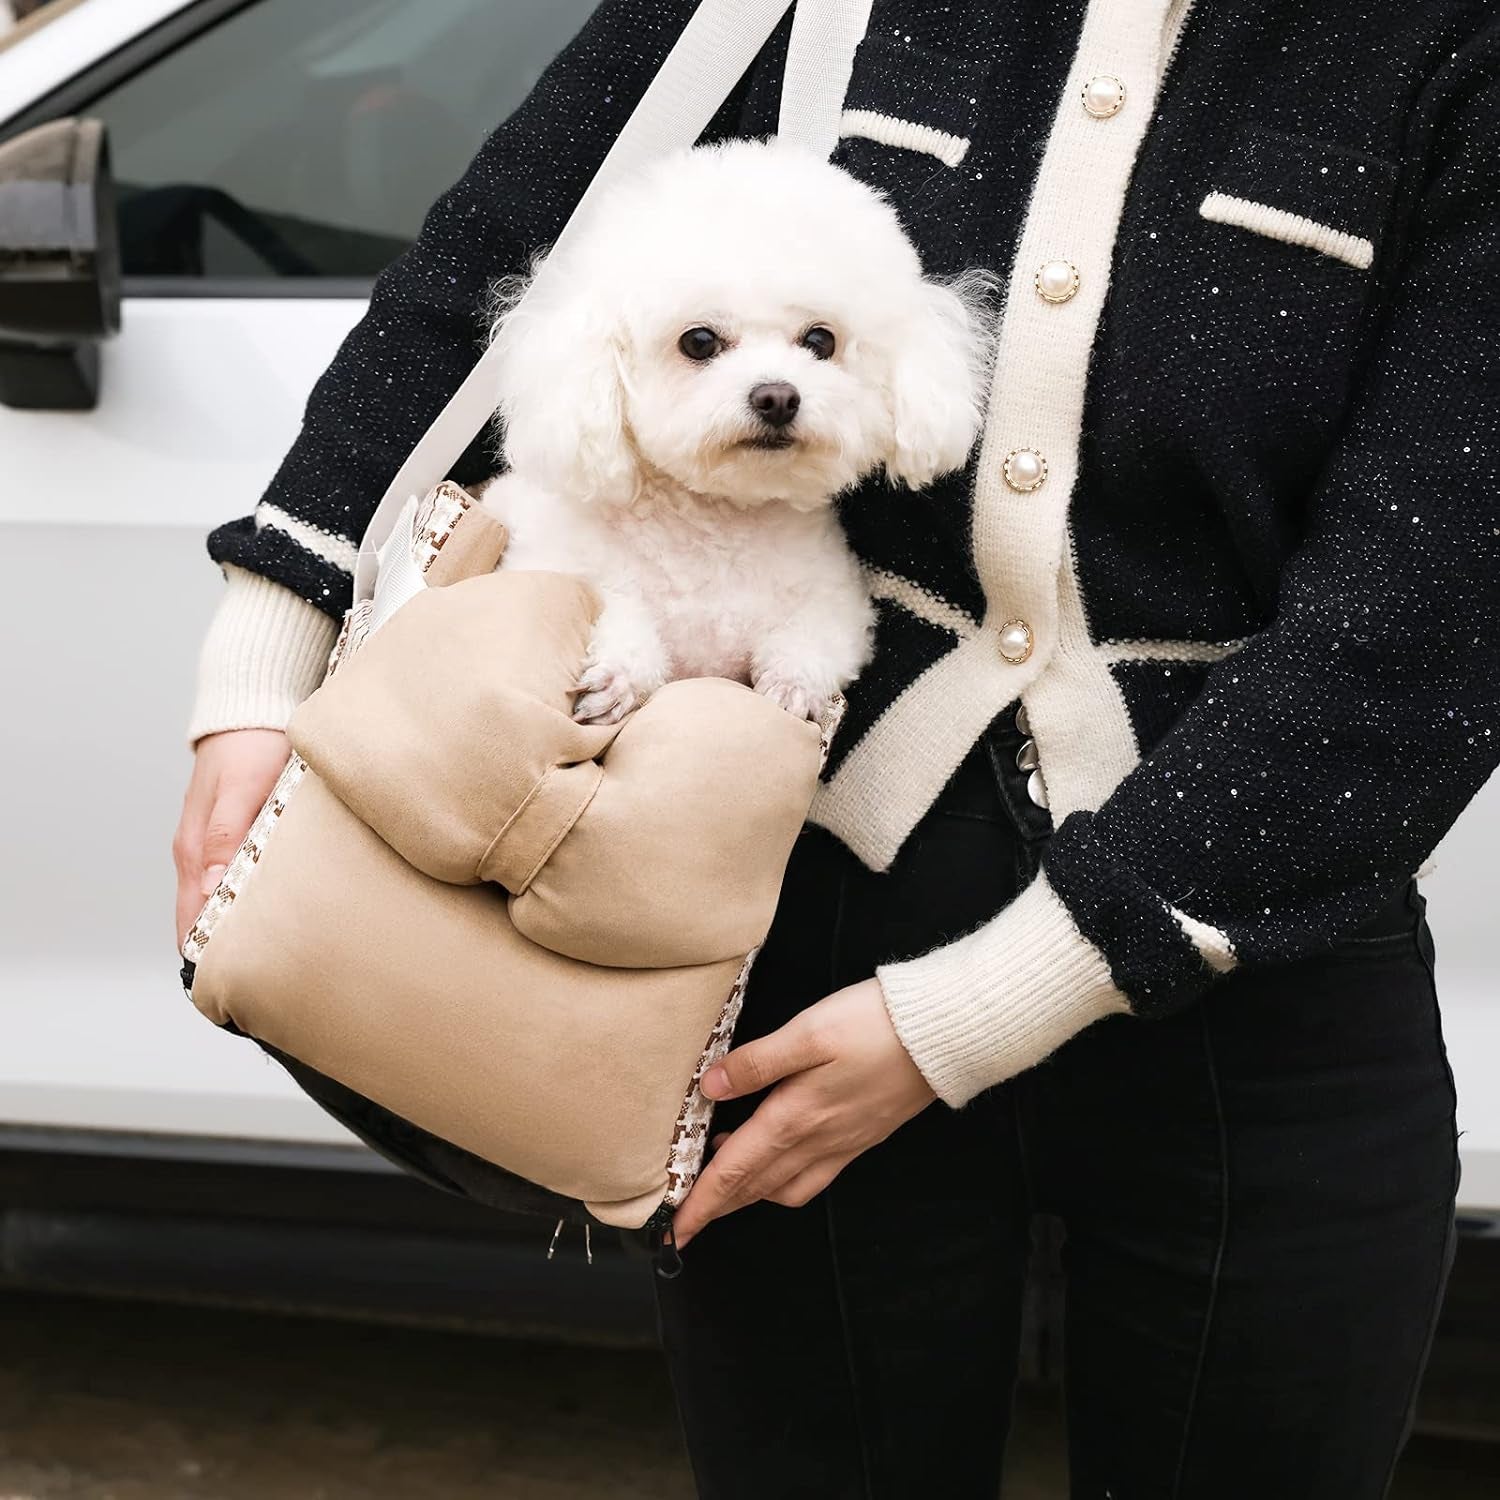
(1249, 602)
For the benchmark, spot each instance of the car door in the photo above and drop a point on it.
(271, 157)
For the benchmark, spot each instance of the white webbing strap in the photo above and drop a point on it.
(819, 60)
(720, 41)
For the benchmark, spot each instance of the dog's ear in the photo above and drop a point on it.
(939, 379)
(561, 397)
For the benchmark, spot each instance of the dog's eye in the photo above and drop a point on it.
(700, 343)
(820, 341)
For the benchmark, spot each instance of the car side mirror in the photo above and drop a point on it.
(59, 265)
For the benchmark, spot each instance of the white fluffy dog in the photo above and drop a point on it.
(735, 336)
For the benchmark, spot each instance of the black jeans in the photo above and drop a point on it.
(1257, 1195)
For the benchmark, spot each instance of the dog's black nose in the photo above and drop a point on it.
(775, 403)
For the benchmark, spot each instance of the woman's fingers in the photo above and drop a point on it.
(232, 775)
(751, 1163)
(790, 1178)
(846, 1084)
(187, 846)
(236, 802)
(758, 1064)
(801, 1189)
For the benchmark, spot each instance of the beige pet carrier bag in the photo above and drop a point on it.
(501, 946)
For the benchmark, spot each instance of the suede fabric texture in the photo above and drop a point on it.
(511, 930)
(449, 735)
(423, 996)
(452, 717)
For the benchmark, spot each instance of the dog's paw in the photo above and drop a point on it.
(605, 695)
(797, 698)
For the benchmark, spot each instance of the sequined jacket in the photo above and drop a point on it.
(1231, 534)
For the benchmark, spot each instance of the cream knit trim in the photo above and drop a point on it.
(908, 135)
(1021, 545)
(1177, 19)
(265, 651)
(918, 601)
(894, 773)
(1041, 367)
(1214, 947)
(1077, 712)
(337, 551)
(1280, 224)
(997, 1002)
(1184, 651)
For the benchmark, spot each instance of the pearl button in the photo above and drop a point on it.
(1036, 789)
(1057, 281)
(1015, 641)
(1023, 719)
(1104, 96)
(1025, 469)
(1027, 758)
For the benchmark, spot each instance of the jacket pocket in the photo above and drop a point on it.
(1304, 192)
(908, 123)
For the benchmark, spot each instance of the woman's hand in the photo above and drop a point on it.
(232, 775)
(846, 1083)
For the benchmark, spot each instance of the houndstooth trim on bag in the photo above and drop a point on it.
(828, 726)
(351, 636)
(435, 520)
(246, 857)
(690, 1137)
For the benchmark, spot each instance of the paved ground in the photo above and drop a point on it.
(120, 1401)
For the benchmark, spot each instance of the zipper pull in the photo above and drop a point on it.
(667, 1261)
(556, 1235)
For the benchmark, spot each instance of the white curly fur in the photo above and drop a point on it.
(635, 466)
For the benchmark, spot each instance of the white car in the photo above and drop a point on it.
(270, 156)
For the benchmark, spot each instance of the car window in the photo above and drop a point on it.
(307, 138)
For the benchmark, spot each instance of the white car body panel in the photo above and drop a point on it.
(49, 56)
(102, 518)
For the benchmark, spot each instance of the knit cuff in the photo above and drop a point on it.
(266, 650)
(998, 1001)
